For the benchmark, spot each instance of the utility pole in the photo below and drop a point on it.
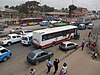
(72, 2)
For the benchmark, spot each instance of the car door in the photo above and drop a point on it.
(18, 38)
(70, 46)
(38, 57)
(44, 56)
(14, 39)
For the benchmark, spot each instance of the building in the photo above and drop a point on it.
(80, 12)
(58, 14)
(7, 14)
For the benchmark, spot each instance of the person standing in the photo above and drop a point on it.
(64, 69)
(83, 44)
(32, 72)
(89, 34)
(49, 65)
(55, 63)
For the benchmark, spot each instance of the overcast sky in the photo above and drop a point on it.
(90, 4)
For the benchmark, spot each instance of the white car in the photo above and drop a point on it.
(68, 45)
(16, 30)
(23, 32)
(11, 38)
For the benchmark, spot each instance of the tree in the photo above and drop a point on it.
(6, 6)
(63, 9)
(46, 8)
(71, 8)
(32, 6)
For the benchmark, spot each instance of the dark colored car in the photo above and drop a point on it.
(39, 55)
(81, 26)
(67, 45)
(4, 25)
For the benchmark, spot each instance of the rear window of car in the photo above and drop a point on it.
(31, 55)
(62, 44)
(3, 51)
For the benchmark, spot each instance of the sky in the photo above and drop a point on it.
(89, 4)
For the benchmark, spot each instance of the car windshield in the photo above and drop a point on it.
(28, 31)
(24, 38)
(8, 37)
(31, 55)
(62, 44)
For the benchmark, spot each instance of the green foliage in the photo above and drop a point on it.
(71, 8)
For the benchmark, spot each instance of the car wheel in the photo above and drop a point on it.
(9, 44)
(5, 59)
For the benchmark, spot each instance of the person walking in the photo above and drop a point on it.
(55, 63)
(64, 69)
(83, 44)
(89, 34)
(32, 72)
(49, 65)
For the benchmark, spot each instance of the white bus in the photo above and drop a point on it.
(27, 39)
(48, 37)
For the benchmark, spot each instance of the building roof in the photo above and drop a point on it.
(57, 13)
(8, 10)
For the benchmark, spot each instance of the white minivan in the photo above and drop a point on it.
(27, 39)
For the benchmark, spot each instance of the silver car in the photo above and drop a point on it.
(39, 55)
(68, 45)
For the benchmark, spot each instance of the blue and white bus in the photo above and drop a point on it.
(27, 39)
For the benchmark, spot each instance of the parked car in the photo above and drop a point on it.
(67, 45)
(44, 23)
(11, 38)
(90, 26)
(60, 24)
(16, 30)
(81, 26)
(4, 25)
(4, 54)
(74, 23)
(23, 32)
(39, 55)
(1, 27)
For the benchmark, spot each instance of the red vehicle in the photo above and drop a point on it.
(30, 21)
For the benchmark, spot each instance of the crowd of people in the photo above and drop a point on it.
(56, 62)
(91, 45)
(63, 69)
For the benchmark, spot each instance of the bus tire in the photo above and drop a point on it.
(53, 44)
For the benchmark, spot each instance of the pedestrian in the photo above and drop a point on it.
(89, 34)
(55, 63)
(83, 44)
(64, 69)
(49, 65)
(94, 55)
(32, 72)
